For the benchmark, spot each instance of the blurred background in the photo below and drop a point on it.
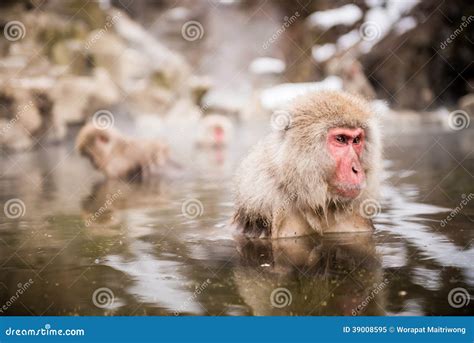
(157, 69)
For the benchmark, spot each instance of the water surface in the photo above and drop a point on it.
(144, 256)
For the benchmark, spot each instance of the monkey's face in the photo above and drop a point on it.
(218, 135)
(345, 147)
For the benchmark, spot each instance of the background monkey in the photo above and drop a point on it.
(118, 156)
(313, 175)
(214, 131)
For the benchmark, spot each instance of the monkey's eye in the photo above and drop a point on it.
(341, 139)
(356, 140)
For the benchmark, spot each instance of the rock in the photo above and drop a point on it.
(199, 87)
(77, 97)
(69, 53)
(279, 96)
(146, 98)
(267, 65)
(157, 58)
(353, 77)
(223, 102)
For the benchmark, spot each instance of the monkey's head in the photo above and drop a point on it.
(334, 143)
(215, 131)
(96, 144)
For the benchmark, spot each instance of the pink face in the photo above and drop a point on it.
(345, 146)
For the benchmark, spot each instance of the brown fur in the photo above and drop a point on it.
(118, 156)
(282, 186)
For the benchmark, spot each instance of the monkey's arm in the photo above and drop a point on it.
(290, 223)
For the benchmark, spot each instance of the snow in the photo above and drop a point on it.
(279, 96)
(348, 40)
(380, 20)
(178, 13)
(405, 24)
(267, 65)
(322, 53)
(382, 17)
(346, 15)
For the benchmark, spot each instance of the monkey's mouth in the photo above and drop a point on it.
(349, 191)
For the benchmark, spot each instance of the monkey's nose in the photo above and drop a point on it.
(355, 170)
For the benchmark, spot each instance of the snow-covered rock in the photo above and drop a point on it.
(346, 15)
(322, 53)
(267, 65)
(279, 96)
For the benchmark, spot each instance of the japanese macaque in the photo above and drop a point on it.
(214, 131)
(316, 175)
(118, 156)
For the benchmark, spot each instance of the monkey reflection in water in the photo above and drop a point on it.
(338, 274)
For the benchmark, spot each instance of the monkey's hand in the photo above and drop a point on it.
(290, 223)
